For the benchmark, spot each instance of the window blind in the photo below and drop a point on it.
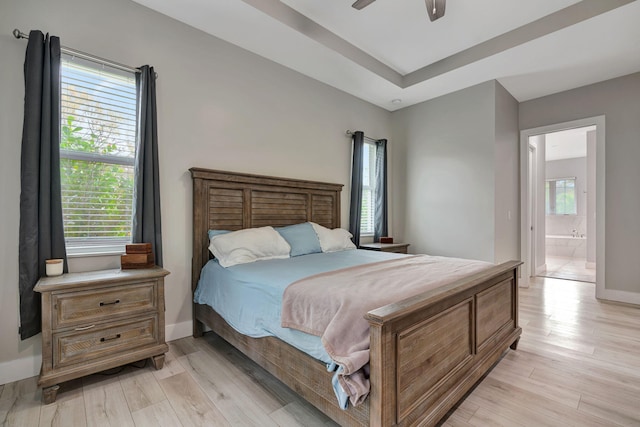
(97, 154)
(368, 187)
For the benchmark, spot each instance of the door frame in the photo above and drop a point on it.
(525, 208)
(532, 218)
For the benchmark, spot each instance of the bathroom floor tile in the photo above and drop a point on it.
(569, 269)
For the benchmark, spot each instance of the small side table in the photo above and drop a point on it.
(99, 320)
(399, 248)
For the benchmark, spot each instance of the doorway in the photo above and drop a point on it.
(562, 211)
(569, 196)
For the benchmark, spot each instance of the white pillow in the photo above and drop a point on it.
(248, 245)
(334, 240)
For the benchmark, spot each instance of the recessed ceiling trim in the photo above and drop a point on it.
(556, 21)
(297, 21)
(551, 23)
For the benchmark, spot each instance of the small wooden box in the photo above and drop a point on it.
(138, 248)
(129, 261)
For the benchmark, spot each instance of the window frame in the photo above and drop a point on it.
(96, 246)
(551, 196)
(370, 157)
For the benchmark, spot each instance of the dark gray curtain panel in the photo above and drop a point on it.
(356, 187)
(146, 205)
(380, 221)
(41, 226)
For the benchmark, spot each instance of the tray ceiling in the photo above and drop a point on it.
(390, 50)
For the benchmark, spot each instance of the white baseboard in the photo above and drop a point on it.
(618, 296)
(19, 369)
(178, 330)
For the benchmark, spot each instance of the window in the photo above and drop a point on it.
(97, 154)
(367, 213)
(560, 196)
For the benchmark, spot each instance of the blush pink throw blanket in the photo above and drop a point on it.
(332, 305)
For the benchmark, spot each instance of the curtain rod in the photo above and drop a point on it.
(351, 133)
(20, 35)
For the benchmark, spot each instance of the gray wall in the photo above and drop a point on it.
(449, 146)
(619, 101)
(507, 182)
(448, 153)
(218, 107)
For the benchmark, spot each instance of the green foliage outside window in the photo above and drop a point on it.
(97, 196)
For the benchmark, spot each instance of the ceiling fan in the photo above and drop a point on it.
(435, 8)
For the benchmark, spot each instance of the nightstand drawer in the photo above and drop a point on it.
(103, 341)
(86, 307)
(398, 249)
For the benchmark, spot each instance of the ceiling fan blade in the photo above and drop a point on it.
(435, 8)
(361, 4)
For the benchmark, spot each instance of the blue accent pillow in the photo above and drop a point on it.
(213, 233)
(302, 238)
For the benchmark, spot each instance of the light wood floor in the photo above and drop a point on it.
(577, 364)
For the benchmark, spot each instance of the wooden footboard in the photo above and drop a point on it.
(428, 351)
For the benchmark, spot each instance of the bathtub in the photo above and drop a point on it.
(565, 245)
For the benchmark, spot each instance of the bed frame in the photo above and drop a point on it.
(427, 351)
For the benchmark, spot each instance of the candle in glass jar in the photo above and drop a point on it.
(53, 267)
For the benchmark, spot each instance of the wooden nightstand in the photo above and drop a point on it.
(99, 320)
(400, 248)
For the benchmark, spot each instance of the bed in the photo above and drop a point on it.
(466, 325)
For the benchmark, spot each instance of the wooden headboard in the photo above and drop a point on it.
(233, 201)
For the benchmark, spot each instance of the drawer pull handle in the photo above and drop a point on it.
(84, 328)
(109, 303)
(115, 337)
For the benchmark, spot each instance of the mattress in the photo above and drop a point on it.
(249, 296)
